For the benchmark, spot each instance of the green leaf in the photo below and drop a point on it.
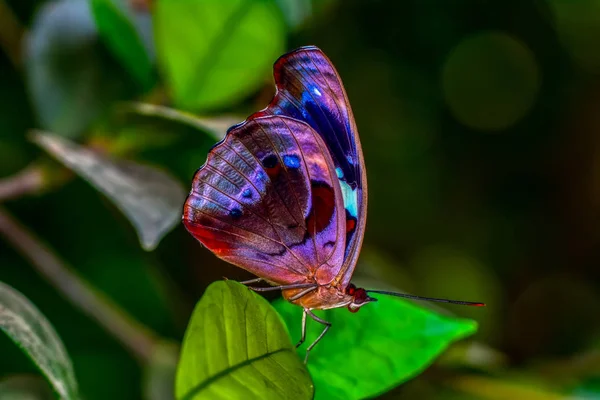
(70, 79)
(149, 197)
(380, 347)
(124, 31)
(215, 52)
(34, 334)
(236, 347)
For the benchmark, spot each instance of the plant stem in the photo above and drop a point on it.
(217, 126)
(135, 337)
(26, 181)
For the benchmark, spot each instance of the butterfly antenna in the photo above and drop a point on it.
(413, 297)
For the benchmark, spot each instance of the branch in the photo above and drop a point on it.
(136, 338)
(27, 181)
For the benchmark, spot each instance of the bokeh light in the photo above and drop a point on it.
(490, 81)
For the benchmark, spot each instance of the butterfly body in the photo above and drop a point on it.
(322, 298)
(283, 195)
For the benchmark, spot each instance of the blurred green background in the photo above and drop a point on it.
(480, 126)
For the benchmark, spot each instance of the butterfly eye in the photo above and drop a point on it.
(351, 289)
(360, 296)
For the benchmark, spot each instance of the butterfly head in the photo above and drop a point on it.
(359, 297)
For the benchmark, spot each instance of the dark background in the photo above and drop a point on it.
(480, 125)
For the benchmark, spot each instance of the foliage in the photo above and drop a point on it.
(128, 35)
(214, 52)
(70, 81)
(478, 126)
(150, 198)
(389, 342)
(32, 332)
(236, 346)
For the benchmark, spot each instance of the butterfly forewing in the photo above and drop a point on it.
(267, 200)
(309, 89)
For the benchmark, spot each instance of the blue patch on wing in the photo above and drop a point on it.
(291, 161)
(350, 159)
(261, 176)
(350, 198)
(349, 195)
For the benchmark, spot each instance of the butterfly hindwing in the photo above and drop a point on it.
(267, 200)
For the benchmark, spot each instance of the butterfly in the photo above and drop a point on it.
(284, 194)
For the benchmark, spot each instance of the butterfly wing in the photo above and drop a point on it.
(309, 89)
(267, 200)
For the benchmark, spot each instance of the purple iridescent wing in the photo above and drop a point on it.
(309, 89)
(267, 200)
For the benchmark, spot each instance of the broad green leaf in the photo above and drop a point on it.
(70, 79)
(150, 198)
(370, 352)
(128, 33)
(32, 332)
(237, 347)
(215, 52)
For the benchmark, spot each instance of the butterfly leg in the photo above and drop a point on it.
(284, 287)
(303, 338)
(321, 321)
(302, 293)
(248, 282)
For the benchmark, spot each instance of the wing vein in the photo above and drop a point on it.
(334, 181)
(239, 227)
(272, 183)
(227, 232)
(351, 143)
(332, 95)
(262, 199)
(310, 180)
(287, 173)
